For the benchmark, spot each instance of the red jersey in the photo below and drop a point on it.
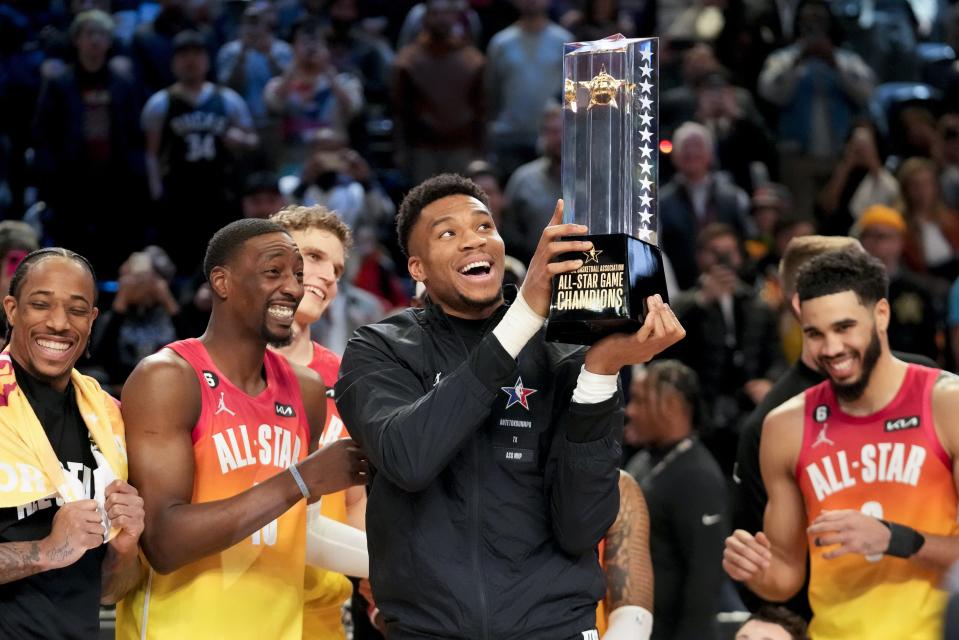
(254, 588)
(325, 590)
(890, 465)
(327, 364)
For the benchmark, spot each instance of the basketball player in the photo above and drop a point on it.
(749, 503)
(219, 429)
(323, 240)
(496, 453)
(62, 465)
(859, 469)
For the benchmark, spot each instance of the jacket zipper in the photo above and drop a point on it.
(477, 565)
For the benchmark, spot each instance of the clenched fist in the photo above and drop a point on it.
(124, 507)
(77, 527)
(336, 466)
(746, 556)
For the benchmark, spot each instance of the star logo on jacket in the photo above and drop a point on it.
(518, 394)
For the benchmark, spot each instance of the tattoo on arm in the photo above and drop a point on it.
(617, 564)
(629, 574)
(19, 560)
(58, 554)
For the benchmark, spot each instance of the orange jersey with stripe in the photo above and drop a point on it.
(253, 589)
(601, 616)
(890, 465)
(325, 590)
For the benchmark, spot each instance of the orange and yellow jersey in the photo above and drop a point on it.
(325, 590)
(890, 465)
(601, 616)
(253, 589)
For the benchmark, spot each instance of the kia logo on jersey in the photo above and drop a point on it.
(899, 424)
(284, 410)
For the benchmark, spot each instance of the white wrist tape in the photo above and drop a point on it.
(629, 622)
(335, 546)
(593, 388)
(518, 325)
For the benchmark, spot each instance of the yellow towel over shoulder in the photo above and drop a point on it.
(29, 468)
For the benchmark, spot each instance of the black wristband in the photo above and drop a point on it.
(904, 542)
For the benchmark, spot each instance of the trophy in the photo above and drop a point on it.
(609, 174)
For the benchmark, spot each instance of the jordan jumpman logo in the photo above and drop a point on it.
(222, 408)
(822, 438)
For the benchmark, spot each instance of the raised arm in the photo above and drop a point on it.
(584, 496)
(161, 403)
(582, 474)
(412, 430)
(773, 562)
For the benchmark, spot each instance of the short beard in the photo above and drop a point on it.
(854, 390)
(479, 305)
(274, 340)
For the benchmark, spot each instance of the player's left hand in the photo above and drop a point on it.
(853, 531)
(660, 330)
(124, 507)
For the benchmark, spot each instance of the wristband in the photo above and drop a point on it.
(299, 481)
(518, 325)
(593, 388)
(629, 622)
(904, 542)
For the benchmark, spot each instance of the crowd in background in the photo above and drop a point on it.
(133, 129)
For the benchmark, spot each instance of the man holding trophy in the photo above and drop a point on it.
(494, 452)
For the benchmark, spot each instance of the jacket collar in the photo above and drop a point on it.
(435, 316)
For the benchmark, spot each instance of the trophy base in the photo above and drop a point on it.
(608, 293)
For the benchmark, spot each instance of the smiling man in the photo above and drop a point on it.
(62, 465)
(495, 453)
(323, 240)
(219, 431)
(860, 469)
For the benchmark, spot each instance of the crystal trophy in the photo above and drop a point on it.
(609, 174)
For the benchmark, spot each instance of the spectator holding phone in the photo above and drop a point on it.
(247, 63)
(140, 320)
(859, 182)
(312, 94)
(337, 177)
(818, 86)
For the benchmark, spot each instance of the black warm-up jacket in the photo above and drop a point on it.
(482, 521)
